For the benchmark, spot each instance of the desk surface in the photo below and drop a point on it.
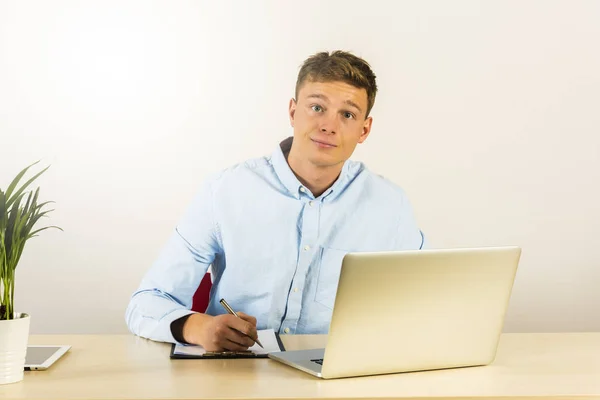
(558, 365)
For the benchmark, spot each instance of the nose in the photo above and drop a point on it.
(329, 125)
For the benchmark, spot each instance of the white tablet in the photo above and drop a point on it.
(43, 356)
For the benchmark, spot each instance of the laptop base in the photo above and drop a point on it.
(301, 359)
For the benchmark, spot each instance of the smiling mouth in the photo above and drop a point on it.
(323, 144)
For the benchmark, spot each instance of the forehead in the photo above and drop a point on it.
(335, 92)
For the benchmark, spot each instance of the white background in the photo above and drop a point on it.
(488, 116)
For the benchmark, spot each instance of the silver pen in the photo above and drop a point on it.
(230, 311)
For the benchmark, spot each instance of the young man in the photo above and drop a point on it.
(275, 229)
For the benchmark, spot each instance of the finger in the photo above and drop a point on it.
(215, 348)
(248, 318)
(242, 326)
(228, 345)
(238, 338)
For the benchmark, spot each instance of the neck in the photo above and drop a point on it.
(316, 178)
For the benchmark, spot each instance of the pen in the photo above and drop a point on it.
(230, 311)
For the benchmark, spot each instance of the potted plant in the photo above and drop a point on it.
(19, 214)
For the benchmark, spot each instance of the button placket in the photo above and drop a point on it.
(309, 235)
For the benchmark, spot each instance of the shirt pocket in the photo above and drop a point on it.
(330, 265)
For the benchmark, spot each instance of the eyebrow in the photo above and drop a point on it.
(323, 97)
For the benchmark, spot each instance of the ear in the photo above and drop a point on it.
(292, 111)
(366, 129)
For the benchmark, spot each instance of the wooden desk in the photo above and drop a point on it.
(127, 367)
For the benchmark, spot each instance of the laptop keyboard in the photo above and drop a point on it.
(318, 361)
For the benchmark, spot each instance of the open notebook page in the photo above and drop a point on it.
(266, 336)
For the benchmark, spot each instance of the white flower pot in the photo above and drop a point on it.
(14, 336)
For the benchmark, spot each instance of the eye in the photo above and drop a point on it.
(348, 115)
(317, 108)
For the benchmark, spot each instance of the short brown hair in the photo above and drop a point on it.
(339, 66)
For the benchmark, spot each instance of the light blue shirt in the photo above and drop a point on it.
(275, 249)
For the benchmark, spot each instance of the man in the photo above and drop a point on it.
(275, 229)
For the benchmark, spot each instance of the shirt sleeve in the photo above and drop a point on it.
(177, 329)
(166, 291)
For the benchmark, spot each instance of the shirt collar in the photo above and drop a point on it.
(293, 185)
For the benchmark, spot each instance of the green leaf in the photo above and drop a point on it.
(21, 228)
(34, 233)
(32, 221)
(22, 188)
(15, 181)
(35, 197)
(3, 209)
(27, 203)
(38, 206)
(10, 226)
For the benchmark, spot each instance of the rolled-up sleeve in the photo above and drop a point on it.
(167, 289)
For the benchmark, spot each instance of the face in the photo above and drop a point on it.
(329, 120)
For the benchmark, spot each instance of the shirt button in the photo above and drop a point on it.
(302, 190)
(295, 289)
(306, 248)
(287, 330)
(310, 203)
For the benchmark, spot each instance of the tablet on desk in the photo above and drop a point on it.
(41, 357)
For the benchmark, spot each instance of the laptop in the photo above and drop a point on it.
(404, 311)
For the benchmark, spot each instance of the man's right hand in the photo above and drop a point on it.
(221, 332)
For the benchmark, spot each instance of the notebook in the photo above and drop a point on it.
(268, 337)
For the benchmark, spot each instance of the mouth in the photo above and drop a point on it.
(322, 144)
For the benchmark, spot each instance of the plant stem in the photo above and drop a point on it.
(8, 295)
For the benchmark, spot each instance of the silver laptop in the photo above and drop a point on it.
(414, 311)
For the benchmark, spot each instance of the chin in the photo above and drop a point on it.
(323, 162)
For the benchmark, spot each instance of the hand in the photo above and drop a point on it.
(221, 332)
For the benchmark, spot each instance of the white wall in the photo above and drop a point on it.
(488, 115)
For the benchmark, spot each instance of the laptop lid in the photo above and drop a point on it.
(419, 310)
